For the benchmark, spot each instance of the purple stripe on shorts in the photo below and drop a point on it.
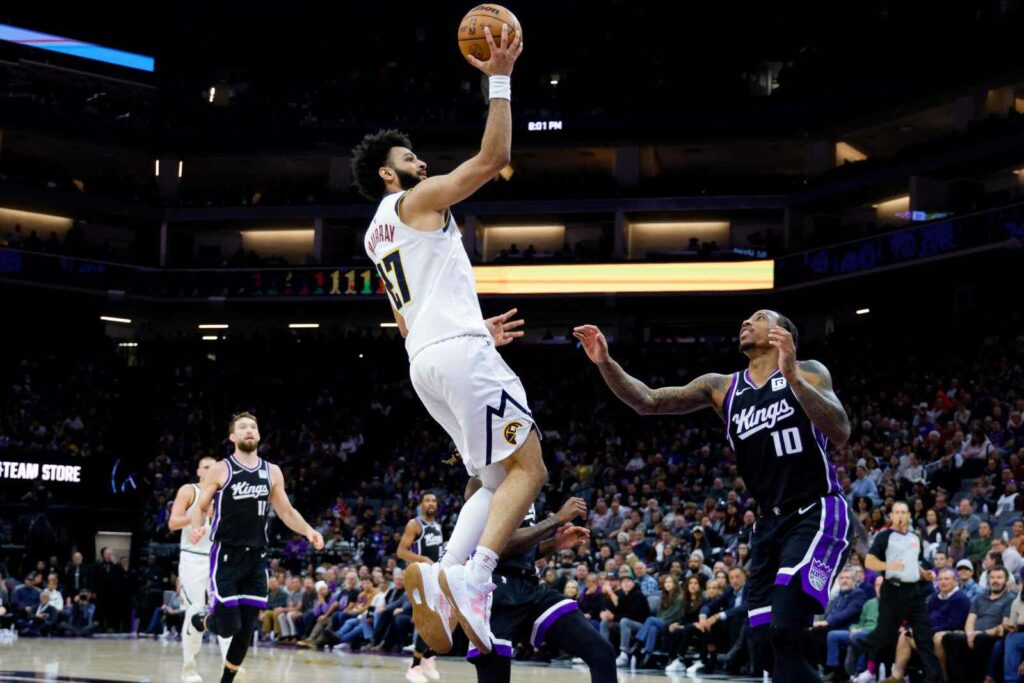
(549, 620)
(500, 650)
(214, 554)
(817, 576)
(761, 619)
(235, 602)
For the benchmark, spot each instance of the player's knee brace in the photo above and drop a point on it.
(227, 621)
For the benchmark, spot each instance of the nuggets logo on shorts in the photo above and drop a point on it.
(510, 430)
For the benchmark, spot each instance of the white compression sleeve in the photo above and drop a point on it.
(468, 528)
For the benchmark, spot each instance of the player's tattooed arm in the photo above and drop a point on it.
(819, 401)
(706, 391)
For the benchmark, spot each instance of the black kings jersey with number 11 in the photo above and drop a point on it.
(779, 452)
(241, 505)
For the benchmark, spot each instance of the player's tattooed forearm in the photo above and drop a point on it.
(821, 404)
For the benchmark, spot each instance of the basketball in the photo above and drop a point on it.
(473, 40)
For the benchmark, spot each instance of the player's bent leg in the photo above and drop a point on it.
(469, 527)
(525, 475)
(792, 612)
(574, 634)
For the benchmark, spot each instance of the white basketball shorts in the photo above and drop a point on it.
(468, 388)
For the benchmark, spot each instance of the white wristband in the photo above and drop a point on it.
(500, 87)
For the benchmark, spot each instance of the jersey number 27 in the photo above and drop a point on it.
(399, 289)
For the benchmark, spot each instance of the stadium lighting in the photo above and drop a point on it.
(157, 168)
(111, 319)
(303, 326)
(212, 326)
(213, 93)
(389, 324)
(210, 337)
(128, 345)
(555, 78)
(863, 311)
(181, 168)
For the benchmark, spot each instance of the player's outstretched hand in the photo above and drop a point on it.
(573, 508)
(569, 536)
(783, 341)
(196, 535)
(316, 539)
(593, 342)
(503, 331)
(504, 53)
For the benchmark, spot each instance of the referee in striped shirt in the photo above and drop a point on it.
(905, 591)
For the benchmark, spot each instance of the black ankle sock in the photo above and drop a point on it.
(228, 676)
(199, 621)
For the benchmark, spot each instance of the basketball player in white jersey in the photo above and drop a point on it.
(453, 362)
(193, 566)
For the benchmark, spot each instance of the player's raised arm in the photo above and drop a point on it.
(179, 517)
(707, 391)
(811, 382)
(437, 193)
(291, 517)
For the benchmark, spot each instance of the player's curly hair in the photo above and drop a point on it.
(369, 155)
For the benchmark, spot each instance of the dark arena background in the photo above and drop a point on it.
(180, 241)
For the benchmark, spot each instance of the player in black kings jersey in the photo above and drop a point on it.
(422, 542)
(527, 610)
(780, 414)
(242, 488)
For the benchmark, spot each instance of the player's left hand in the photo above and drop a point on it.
(570, 536)
(196, 534)
(573, 508)
(316, 539)
(783, 341)
(502, 330)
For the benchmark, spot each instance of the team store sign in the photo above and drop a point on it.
(71, 474)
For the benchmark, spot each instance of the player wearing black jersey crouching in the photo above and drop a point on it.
(779, 415)
(524, 608)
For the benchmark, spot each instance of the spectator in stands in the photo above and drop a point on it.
(684, 633)
(80, 617)
(932, 534)
(320, 618)
(361, 626)
(864, 486)
(696, 567)
(967, 519)
(1011, 559)
(387, 610)
(854, 638)
(43, 620)
(1010, 501)
(967, 652)
(77, 575)
(593, 600)
(629, 610)
(648, 584)
(968, 586)
(1013, 646)
(670, 610)
(980, 544)
(55, 597)
(25, 597)
(722, 621)
(168, 616)
(842, 611)
(277, 605)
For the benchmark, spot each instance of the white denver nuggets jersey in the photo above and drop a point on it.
(203, 547)
(428, 277)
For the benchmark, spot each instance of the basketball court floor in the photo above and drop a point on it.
(145, 661)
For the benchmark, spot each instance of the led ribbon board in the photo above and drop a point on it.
(75, 48)
(626, 278)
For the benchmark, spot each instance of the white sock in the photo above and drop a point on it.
(468, 529)
(224, 643)
(483, 564)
